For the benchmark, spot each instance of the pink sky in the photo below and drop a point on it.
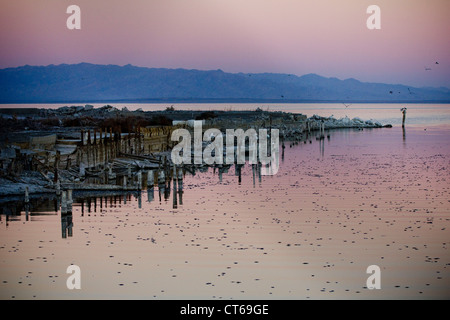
(327, 37)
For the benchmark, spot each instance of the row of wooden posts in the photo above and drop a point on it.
(108, 146)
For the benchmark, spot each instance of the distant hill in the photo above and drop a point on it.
(86, 82)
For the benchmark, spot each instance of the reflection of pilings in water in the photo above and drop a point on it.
(161, 184)
(238, 172)
(174, 196)
(140, 200)
(69, 200)
(150, 185)
(27, 203)
(66, 214)
(254, 173)
(180, 191)
(161, 177)
(180, 185)
(322, 147)
(27, 210)
(259, 172)
(69, 225)
(167, 190)
(66, 225)
(180, 174)
(150, 194)
(150, 179)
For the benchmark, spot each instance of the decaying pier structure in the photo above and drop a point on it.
(111, 149)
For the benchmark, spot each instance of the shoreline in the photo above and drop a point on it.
(87, 148)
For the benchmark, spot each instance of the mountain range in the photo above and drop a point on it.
(85, 82)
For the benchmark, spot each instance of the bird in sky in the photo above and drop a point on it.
(346, 105)
(427, 69)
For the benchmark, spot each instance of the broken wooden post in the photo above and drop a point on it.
(139, 177)
(403, 110)
(27, 197)
(56, 164)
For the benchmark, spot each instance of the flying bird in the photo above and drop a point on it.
(346, 105)
(427, 69)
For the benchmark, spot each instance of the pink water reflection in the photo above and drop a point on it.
(334, 208)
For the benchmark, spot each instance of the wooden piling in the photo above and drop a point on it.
(139, 176)
(58, 188)
(27, 197)
(403, 110)
(56, 164)
(69, 200)
(64, 202)
(150, 179)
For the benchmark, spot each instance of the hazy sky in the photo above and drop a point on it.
(327, 37)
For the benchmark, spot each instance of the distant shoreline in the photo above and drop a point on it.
(220, 101)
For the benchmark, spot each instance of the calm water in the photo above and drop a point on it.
(335, 207)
